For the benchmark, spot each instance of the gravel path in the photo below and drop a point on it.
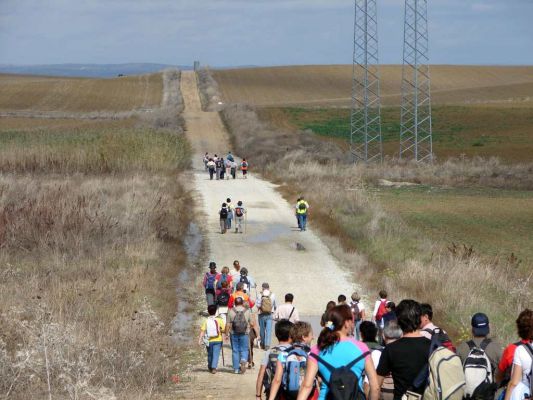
(267, 249)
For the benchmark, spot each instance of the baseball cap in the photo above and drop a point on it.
(480, 324)
(265, 285)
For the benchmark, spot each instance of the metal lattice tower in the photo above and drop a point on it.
(365, 121)
(415, 127)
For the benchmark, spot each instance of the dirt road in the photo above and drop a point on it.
(267, 249)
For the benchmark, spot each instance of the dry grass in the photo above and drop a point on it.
(79, 94)
(396, 256)
(209, 90)
(92, 234)
(331, 85)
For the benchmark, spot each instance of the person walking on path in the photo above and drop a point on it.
(240, 215)
(211, 167)
(233, 169)
(302, 208)
(266, 305)
(223, 218)
(230, 156)
(335, 349)
(209, 283)
(405, 358)
(239, 324)
(369, 335)
(206, 160)
(358, 310)
(427, 327)
(480, 339)
(235, 273)
(244, 168)
(219, 163)
(520, 379)
(267, 370)
(240, 293)
(224, 277)
(324, 318)
(296, 213)
(230, 213)
(287, 310)
(380, 309)
(248, 283)
(212, 329)
(227, 165)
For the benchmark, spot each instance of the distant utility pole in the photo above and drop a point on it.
(415, 127)
(365, 121)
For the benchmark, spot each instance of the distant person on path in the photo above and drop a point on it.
(390, 315)
(223, 217)
(206, 160)
(219, 163)
(266, 305)
(302, 208)
(222, 168)
(270, 359)
(405, 358)
(520, 379)
(233, 169)
(222, 299)
(211, 167)
(227, 165)
(244, 168)
(212, 329)
(230, 213)
(247, 281)
(240, 215)
(341, 300)
(335, 349)
(287, 310)
(380, 309)
(230, 156)
(324, 317)
(224, 277)
(209, 283)
(296, 213)
(358, 311)
(239, 324)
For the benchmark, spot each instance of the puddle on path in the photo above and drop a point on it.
(268, 233)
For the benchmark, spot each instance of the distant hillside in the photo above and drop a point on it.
(88, 70)
(330, 85)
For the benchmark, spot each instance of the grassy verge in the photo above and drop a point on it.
(393, 253)
(91, 238)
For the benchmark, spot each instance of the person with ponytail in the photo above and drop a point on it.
(338, 349)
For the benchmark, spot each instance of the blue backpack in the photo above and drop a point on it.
(210, 282)
(294, 371)
(223, 278)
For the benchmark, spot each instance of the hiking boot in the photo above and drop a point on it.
(213, 370)
(243, 367)
(236, 371)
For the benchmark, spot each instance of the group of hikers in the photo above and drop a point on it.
(228, 213)
(220, 167)
(394, 353)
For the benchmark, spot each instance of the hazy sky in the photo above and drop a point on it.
(252, 32)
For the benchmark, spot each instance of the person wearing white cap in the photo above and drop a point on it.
(266, 305)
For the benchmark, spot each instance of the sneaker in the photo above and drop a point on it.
(213, 370)
(243, 367)
(236, 371)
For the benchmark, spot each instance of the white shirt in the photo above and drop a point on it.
(523, 359)
(283, 312)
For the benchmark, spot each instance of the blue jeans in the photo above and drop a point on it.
(357, 331)
(265, 329)
(302, 218)
(213, 352)
(239, 349)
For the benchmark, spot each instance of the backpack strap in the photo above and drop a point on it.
(290, 315)
(483, 345)
(331, 368)
(471, 344)
(529, 349)
(430, 331)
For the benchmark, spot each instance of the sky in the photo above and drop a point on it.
(253, 32)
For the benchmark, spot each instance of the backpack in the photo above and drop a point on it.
(210, 282)
(343, 383)
(245, 283)
(302, 206)
(354, 305)
(212, 328)
(382, 310)
(441, 338)
(270, 370)
(239, 212)
(223, 299)
(239, 323)
(446, 378)
(266, 305)
(244, 164)
(294, 371)
(223, 213)
(529, 349)
(478, 372)
(223, 278)
(230, 157)
(218, 163)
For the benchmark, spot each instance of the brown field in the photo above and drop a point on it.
(38, 93)
(331, 85)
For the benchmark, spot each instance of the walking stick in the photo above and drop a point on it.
(245, 221)
(223, 361)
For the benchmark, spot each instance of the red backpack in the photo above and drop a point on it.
(382, 310)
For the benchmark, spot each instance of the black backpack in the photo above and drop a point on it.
(223, 213)
(245, 282)
(343, 384)
(223, 299)
(270, 370)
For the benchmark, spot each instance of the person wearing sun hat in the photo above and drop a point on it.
(480, 334)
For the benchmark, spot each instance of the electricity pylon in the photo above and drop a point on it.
(365, 121)
(415, 127)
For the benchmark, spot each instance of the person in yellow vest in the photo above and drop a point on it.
(302, 207)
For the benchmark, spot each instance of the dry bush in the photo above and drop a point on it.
(208, 88)
(88, 284)
(396, 256)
